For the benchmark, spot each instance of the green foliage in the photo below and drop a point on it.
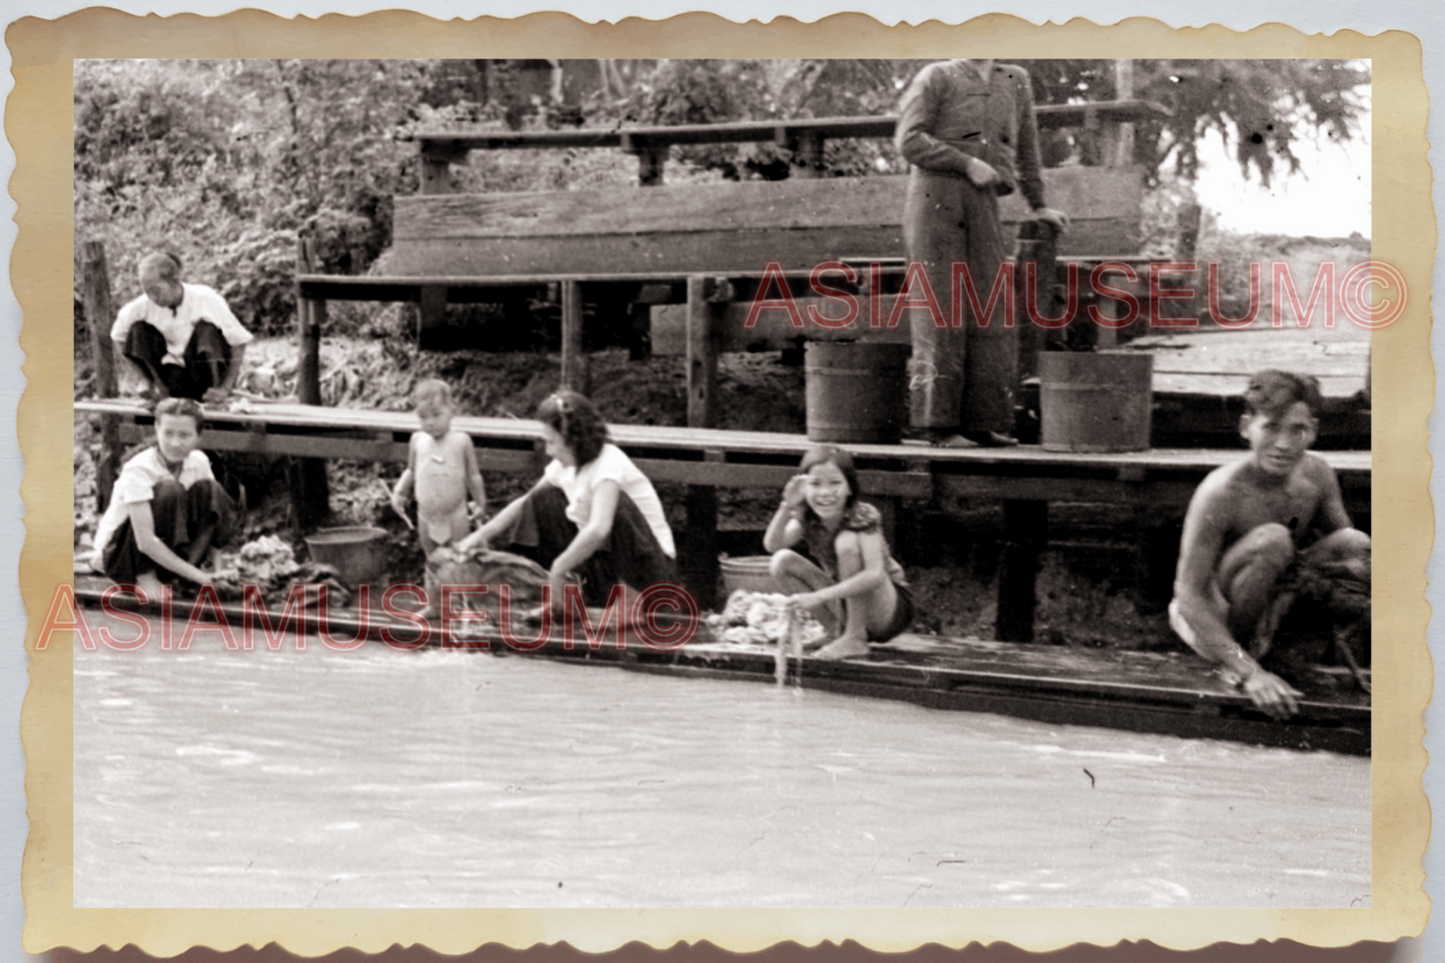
(226, 163)
(1262, 108)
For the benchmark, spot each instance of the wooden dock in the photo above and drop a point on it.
(1025, 479)
(1173, 693)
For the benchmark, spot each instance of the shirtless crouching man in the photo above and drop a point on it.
(1248, 523)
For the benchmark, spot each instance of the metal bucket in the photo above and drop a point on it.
(856, 392)
(357, 552)
(749, 572)
(1096, 401)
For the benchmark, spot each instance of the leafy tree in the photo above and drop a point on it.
(226, 162)
(1262, 108)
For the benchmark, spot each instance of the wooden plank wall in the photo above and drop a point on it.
(719, 228)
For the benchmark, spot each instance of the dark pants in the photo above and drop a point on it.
(964, 377)
(207, 359)
(630, 554)
(188, 520)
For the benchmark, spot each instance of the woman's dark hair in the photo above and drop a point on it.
(821, 455)
(578, 421)
(185, 408)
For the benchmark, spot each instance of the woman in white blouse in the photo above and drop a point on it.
(593, 514)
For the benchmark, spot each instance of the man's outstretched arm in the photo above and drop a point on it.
(1205, 627)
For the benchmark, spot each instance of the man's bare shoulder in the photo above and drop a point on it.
(1223, 482)
(1314, 467)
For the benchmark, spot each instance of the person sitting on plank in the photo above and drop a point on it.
(166, 511)
(1256, 529)
(182, 338)
(821, 508)
(593, 515)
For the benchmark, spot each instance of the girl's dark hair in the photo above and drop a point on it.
(184, 407)
(821, 455)
(578, 421)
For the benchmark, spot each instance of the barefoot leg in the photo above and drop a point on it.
(868, 613)
(795, 574)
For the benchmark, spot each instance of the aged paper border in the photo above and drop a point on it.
(38, 125)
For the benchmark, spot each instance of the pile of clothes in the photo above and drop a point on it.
(268, 563)
(760, 618)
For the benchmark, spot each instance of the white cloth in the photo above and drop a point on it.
(199, 304)
(611, 465)
(137, 483)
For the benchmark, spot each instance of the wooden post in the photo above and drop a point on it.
(1025, 525)
(808, 156)
(436, 166)
(697, 557)
(575, 367)
(701, 355)
(650, 164)
(95, 292)
(650, 160)
(432, 310)
(1123, 154)
(310, 491)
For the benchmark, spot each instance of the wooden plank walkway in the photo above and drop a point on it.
(741, 459)
(1171, 693)
(1025, 479)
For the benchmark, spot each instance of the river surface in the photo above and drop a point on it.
(379, 778)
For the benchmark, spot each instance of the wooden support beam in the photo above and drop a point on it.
(701, 354)
(650, 164)
(437, 158)
(808, 155)
(576, 373)
(698, 551)
(699, 562)
(310, 488)
(95, 294)
(1025, 534)
(432, 308)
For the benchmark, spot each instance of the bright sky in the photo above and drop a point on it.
(1330, 198)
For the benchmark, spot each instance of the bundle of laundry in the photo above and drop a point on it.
(761, 618)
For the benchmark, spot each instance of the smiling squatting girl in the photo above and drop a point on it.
(859, 592)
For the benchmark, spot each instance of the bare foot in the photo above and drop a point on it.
(843, 647)
(148, 583)
(948, 439)
(990, 439)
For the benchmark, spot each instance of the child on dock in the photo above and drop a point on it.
(1260, 531)
(821, 507)
(442, 472)
(166, 511)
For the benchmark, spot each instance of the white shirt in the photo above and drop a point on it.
(611, 465)
(137, 483)
(200, 303)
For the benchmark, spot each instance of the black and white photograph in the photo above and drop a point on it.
(879, 483)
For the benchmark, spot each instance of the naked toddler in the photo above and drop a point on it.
(442, 472)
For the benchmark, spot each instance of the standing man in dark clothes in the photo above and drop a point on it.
(967, 127)
(182, 338)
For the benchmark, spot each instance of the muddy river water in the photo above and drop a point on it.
(379, 778)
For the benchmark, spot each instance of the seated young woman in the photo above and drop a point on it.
(593, 515)
(166, 511)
